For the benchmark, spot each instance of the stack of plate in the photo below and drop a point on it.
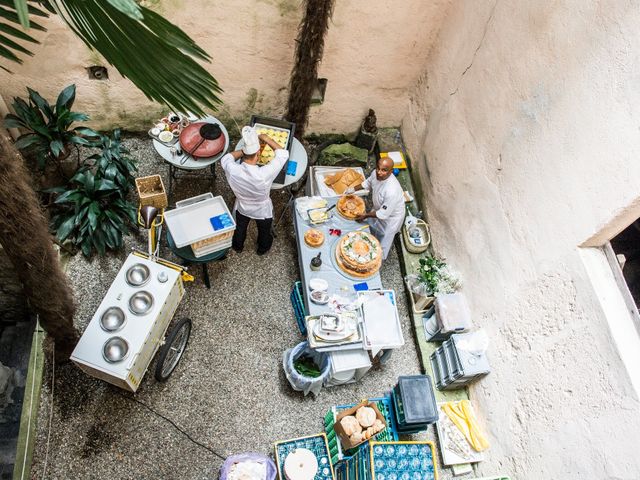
(333, 328)
(329, 331)
(454, 367)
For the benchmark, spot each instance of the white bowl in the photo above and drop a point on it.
(319, 297)
(318, 284)
(165, 136)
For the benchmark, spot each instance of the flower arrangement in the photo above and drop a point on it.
(436, 276)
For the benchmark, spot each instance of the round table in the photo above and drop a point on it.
(186, 254)
(191, 165)
(299, 155)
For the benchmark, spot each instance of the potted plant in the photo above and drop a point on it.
(434, 277)
(47, 128)
(93, 213)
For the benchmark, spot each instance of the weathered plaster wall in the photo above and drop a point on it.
(525, 132)
(375, 51)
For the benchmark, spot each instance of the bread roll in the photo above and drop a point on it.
(366, 416)
(350, 425)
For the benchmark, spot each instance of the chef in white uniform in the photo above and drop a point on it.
(251, 185)
(387, 195)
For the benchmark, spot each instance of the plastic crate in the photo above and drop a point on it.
(299, 309)
(388, 434)
(317, 444)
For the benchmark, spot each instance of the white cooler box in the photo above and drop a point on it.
(204, 222)
(348, 366)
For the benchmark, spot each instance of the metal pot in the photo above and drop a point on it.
(141, 303)
(138, 275)
(115, 349)
(112, 319)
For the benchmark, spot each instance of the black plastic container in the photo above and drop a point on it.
(415, 403)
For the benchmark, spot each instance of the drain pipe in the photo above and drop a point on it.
(4, 109)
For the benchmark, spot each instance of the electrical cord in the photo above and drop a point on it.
(183, 432)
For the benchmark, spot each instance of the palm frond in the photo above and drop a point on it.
(151, 52)
(15, 14)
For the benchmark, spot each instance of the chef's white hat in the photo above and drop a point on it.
(251, 141)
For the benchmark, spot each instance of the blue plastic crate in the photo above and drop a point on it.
(399, 460)
(317, 444)
(299, 310)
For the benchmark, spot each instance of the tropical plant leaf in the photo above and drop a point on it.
(41, 103)
(128, 7)
(26, 140)
(12, 121)
(86, 131)
(153, 53)
(56, 147)
(65, 228)
(9, 13)
(22, 11)
(66, 98)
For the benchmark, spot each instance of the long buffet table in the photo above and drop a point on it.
(339, 283)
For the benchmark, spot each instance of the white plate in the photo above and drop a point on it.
(165, 136)
(349, 330)
(322, 297)
(318, 284)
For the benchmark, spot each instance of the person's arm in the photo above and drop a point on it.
(371, 214)
(264, 138)
(230, 157)
(275, 165)
(382, 213)
(364, 185)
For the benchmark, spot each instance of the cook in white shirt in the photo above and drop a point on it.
(388, 212)
(251, 185)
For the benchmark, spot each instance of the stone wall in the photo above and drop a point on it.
(375, 50)
(524, 131)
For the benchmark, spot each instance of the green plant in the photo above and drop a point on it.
(436, 276)
(94, 213)
(113, 162)
(49, 133)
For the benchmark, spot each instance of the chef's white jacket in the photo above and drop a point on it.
(251, 184)
(388, 203)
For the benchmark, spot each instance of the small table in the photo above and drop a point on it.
(186, 254)
(191, 165)
(299, 155)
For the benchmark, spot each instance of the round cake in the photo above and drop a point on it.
(313, 237)
(359, 254)
(350, 206)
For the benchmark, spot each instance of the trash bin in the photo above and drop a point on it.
(270, 467)
(300, 382)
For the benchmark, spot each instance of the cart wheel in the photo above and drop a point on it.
(171, 352)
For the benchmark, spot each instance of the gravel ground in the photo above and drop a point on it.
(229, 392)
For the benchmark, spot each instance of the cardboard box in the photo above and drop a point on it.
(344, 438)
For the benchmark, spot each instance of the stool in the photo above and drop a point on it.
(186, 254)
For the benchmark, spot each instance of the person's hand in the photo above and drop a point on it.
(263, 137)
(360, 218)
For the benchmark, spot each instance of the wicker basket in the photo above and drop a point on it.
(151, 191)
(422, 225)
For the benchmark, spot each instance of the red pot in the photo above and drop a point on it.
(190, 138)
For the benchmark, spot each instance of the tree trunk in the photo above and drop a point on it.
(309, 47)
(26, 240)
